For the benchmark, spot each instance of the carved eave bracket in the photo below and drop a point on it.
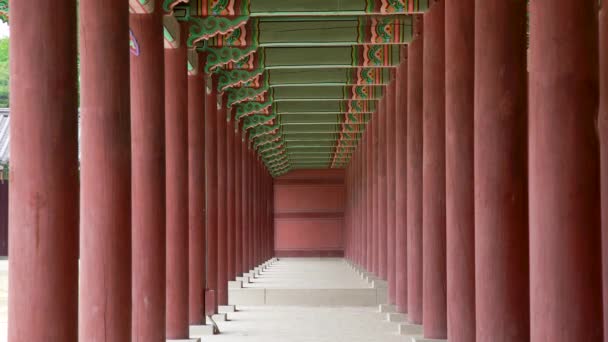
(248, 108)
(204, 28)
(219, 57)
(141, 6)
(193, 62)
(171, 32)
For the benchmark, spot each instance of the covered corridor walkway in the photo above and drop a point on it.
(163, 152)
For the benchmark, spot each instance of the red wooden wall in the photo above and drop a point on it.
(309, 213)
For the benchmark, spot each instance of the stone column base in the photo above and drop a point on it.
(413, 330)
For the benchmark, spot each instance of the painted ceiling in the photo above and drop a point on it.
(302, 77)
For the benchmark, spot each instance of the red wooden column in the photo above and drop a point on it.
(356, 211)
(256, 211)
(460, 196)
(196, 195)
(245, 201)
(211, 141)
(433, 175)
(501, 234)
(401, 185)
(369, 195)
(230, 191)
(375, 160)
(222, 205)
(253, 212)
(390, 192)
(148, 177)
(250, 206)
(603, 127)
(105, 255)
(43, 200)
(238, 204)
(565, 209)
(414, 174)
(251, 173)
(176, 140)
(382, 190)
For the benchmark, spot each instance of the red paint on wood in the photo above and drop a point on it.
(211, 184)
(565, 213)
(501, 205)
(390, 192)
(43, 208)
(414, 175)
(105, 174)
(311, 234)
(309, 254)
(148, 177)
(434, 304)
(401, 187)
(460, 196)
(230, 192)
(301, 211)
(196, 199)
(238, 204)
(603, 132)
(176, 140)
(222, 205)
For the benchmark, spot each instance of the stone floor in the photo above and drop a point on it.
(306, 324)
(308, 320)
(309, 273)
(288, 323)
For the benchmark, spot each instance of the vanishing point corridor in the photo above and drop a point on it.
(304, 170)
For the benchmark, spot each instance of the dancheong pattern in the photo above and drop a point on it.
(396, 6)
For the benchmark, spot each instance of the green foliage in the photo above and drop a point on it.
(4, 73)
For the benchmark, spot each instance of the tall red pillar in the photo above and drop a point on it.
(148, 176)
(433, 175)
(245, 201)
(250, 208)
(197, 245)
(460, 196)
(230, 190)
(105, 173)
(564, 189)
(251, 173)
(390, 192)
(501, 234)
(382, 190)
(43, 200)
(222, 205)
(238, 204)
(373, 156)
(369, 205)
(603, 128)
(414, 174)
(176, 140)
(401, 185)
(211, 226)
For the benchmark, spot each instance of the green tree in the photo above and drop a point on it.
(4, 73)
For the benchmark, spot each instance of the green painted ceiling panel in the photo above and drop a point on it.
(336, 107)
(274, 6)
(314, 56)
(312, 32)
(344, 76)
(320, 93)
(307, 119)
